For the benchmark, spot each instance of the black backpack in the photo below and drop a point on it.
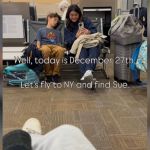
(31, 52)
(142, 17)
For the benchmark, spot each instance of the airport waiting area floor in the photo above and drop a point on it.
(112, 119)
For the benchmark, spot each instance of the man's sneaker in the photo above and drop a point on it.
(56, 79)
(32, 126)
(88, 76)
(49, 79)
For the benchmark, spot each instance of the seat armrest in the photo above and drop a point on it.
(26, 43)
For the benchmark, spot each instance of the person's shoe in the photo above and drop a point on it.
(88, 76)
(32, 126)
(138, 82)
(49, 79)
(72, 55)
(82, 79)
(56, 79)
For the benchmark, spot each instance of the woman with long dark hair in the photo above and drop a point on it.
(74, 19)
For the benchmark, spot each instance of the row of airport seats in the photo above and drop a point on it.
(67, 68)
(31, 28)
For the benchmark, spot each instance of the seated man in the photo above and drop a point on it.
(49, 42)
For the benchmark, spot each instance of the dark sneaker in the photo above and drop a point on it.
(49, 78)
(72, 55)
(138, 82)
(68, 56)
(56, 79)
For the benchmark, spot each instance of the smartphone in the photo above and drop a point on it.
(81, 25)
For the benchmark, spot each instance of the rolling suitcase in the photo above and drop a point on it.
(123, 58)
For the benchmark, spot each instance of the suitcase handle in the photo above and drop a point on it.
(128, 64)
(134, 11)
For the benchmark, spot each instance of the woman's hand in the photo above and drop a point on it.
(83, 32)
(80, 32)
(86, 31)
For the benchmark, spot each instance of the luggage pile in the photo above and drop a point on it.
(127, 33)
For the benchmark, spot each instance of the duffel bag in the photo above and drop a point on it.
(19, 75)
(126, 29)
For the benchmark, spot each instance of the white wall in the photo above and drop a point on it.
(43, 7)
(122, 4)
(145, 3)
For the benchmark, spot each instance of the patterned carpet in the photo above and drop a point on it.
(112, 119)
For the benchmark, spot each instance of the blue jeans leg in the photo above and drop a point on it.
(83, 56)
(91, 54)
